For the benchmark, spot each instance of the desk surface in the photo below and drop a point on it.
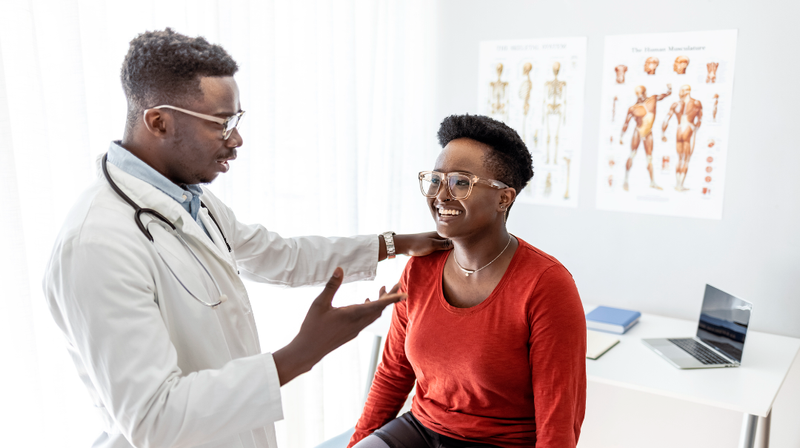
(750, 388)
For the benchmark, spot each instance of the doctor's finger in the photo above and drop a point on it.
(326, 296)
(384, 301)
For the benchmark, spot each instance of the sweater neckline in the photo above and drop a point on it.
(491, 297)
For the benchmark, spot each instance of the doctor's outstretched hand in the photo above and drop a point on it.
(326, 328)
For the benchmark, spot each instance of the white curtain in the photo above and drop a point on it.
(338, 96)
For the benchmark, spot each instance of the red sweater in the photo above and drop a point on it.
(510, 371)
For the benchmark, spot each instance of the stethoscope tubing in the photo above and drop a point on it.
(170, 228)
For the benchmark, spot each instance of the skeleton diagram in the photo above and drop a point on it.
(548, 184)
(525, 95)
(498, 103)
(644, 112)
(712, 72)
(554, 105)
(681, 62)
(689, 113)
(620, 70)
(566, 193)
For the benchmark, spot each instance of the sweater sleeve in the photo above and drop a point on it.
(558, 359)
(394, 377)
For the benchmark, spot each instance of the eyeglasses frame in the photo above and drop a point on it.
(473, 179)
(223, 121)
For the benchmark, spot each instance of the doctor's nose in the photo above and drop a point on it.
(235, 140)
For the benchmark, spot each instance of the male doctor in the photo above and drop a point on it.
(162, 331)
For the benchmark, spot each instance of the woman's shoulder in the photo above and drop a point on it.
(427, 262)
(423, 270)
(531, 255)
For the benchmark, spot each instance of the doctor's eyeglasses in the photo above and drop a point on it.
(458, 184)
(228, 124)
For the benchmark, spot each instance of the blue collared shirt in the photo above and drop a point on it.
(188, 197)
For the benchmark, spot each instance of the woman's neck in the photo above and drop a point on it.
(475, 252)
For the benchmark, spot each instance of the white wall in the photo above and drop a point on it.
(652, 263)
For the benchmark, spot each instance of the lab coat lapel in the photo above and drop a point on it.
(214, 232)
(148, 196)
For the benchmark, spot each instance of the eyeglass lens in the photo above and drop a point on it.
(230, 125)
(458, 184)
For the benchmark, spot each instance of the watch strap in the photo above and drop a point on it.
(388, 238)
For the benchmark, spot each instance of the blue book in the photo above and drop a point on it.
(612, 320)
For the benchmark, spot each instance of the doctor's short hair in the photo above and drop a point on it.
(509, 158)
(164, 67)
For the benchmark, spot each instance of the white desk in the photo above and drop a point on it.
(750, 389)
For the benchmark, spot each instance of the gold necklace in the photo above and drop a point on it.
(467, 272)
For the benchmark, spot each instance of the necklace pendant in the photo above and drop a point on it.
(466, 274)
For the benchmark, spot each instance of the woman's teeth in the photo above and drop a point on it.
(449, 212)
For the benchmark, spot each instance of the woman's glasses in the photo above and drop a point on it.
(458, 184)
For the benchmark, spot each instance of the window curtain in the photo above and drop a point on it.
(338, 97)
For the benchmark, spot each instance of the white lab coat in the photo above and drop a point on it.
(163, 369)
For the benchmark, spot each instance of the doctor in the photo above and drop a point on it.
(157, 320)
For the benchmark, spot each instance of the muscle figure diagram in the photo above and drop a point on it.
(712, 72)
(716, 102)
(650, 65)
(498, 104)
(644, 112)
(689, 113)
(525, 95)
(614, 108)
(681, 62)
(555, 106)
(620, 70)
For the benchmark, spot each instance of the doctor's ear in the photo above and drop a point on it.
(157, 122)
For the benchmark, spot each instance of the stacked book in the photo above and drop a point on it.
(611, 320)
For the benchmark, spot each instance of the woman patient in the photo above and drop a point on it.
(493, 331)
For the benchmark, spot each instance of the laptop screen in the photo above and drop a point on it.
(723, 322)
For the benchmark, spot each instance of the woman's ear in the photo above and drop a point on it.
(507, 197)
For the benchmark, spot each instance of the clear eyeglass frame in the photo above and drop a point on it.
(427, 176)
(228, 124)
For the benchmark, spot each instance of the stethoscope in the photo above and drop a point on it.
(167, 225)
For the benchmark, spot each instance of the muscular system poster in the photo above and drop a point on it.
(536, 87)
(664, 123)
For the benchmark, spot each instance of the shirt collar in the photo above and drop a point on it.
(129, 163)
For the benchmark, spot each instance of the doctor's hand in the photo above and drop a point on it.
(326, 328)
(416, 244)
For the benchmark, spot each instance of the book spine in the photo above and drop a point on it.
(602, 326)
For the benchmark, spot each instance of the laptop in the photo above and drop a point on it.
(720, 335)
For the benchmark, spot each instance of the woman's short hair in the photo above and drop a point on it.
(509, 158)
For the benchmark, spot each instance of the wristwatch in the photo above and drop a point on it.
(388, 238)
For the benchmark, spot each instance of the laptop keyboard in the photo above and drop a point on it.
(699, 351)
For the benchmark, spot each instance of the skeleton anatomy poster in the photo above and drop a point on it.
(536, 87)
(664, 123)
